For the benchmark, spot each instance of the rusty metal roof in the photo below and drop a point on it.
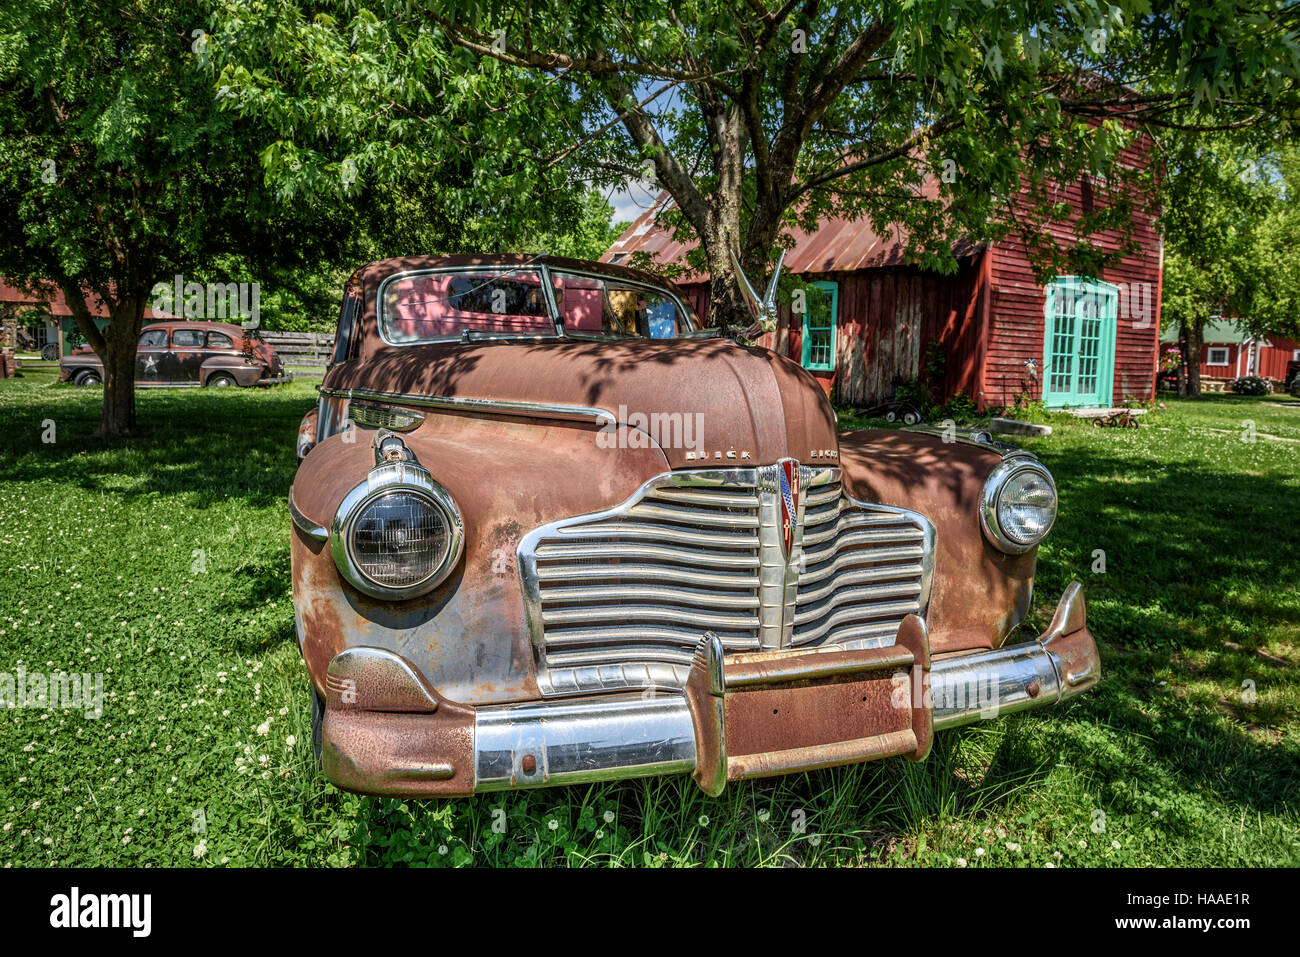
(838, 245)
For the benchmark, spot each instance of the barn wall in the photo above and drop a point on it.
(888, 317)
(1017, 312)
(1273, 360)
(1222, 372)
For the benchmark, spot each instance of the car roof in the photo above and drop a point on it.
(228, 328)
(383, 268)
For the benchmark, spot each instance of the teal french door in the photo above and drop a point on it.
(1079, 343)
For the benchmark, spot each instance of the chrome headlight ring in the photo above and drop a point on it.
(991, 504)
(385, 480)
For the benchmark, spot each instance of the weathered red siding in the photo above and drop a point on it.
(1221, 372)
(1018, 308)
(988, 319)
(1274, 357)
(888, 318)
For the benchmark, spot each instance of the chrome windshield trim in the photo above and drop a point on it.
(539, 410)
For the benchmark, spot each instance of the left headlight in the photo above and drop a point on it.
(1018, 505)
(397, 535)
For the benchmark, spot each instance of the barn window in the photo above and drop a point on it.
(1218, 356)
(821, 308)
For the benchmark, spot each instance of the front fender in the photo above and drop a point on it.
(469, 636)
(978, 593)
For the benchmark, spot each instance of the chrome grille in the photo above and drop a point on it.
(863, 571)
(618, 599)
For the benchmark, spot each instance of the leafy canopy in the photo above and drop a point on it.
(758, 116)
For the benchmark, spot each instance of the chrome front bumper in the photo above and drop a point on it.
(275, 379)
(386, 731)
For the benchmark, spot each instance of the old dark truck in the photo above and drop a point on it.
(547, 530)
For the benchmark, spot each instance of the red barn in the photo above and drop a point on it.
(989, 331)
(1229, 351)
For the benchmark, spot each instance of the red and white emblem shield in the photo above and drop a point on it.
(788, 472)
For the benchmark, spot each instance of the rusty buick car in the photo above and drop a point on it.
(547, 530)
(181, 353)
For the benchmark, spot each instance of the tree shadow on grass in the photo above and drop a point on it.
(215, 447)
(1184, 543)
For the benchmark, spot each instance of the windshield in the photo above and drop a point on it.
(452, 304)
(607, 306)
(420, 307)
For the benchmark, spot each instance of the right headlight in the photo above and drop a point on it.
(397, 535)
(1018, 505)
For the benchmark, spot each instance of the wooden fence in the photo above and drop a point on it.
(300, 348)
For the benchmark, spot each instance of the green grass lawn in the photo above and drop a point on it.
(163, 564)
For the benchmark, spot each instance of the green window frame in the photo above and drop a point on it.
(1079, 342)
(819, 327)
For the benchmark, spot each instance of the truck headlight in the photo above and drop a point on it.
(398, 534)
(1018, 505)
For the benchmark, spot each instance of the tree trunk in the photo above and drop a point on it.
(117, 418)
(1184, 370)
(1192, 357)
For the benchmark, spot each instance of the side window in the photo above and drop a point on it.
(219, 340)
(820, 312)
(187, 338)
(153, 339)
(1218, 356)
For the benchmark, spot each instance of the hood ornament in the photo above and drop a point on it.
(762, 308)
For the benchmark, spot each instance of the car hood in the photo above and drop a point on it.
(701, 400)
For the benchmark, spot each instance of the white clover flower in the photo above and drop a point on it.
(553, 824)
(609, 817)
(979, 852)
(961, 862)
(201, 848)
